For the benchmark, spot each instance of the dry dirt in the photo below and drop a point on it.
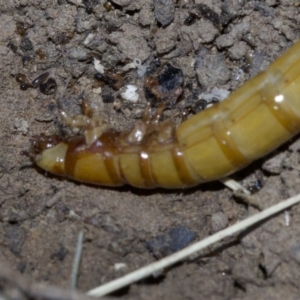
(124, 228)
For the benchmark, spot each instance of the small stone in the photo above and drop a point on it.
(164, 11)
(238, 51)
(173, 240)
(225, 40)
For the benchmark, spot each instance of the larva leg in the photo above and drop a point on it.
(151, 128)
(93, 124)
(75, 121)
(86, 120)
(156, 118)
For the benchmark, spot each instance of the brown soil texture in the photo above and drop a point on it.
(217, 44)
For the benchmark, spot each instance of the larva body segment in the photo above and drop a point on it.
(253, 121)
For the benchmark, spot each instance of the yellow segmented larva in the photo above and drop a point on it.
(254, 120)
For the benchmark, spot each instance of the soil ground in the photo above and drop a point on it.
(221, 45)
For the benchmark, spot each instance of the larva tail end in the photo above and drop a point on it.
(49, 153)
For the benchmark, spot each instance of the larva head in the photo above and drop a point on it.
(49, 153)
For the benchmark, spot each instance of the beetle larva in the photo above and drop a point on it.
(254, 120)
